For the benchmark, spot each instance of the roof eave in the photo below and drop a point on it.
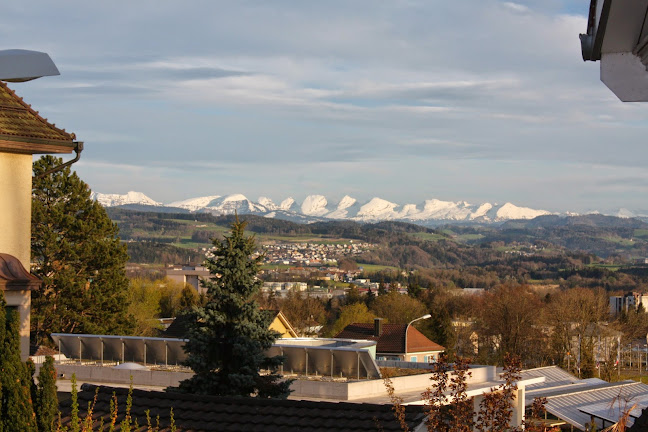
(35, 146)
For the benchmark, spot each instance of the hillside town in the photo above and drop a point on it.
(312, 254)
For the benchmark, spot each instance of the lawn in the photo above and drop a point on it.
(371, 268)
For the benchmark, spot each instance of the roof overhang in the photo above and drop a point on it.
(617, 35)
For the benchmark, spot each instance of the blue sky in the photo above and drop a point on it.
(403, 99)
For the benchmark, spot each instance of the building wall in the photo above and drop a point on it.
(279, 327)
(15, 228)
(15, 206)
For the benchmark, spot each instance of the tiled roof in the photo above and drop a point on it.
(20, 123)
(211, 413)
(392, 339)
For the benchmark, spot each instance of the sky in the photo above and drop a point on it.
(407, 100)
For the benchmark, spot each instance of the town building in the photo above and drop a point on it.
(189, 275)
(401, 342)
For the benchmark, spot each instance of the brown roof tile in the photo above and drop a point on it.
(21, 124)
(211, 413)
(392, 340)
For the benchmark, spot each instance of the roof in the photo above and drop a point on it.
(577, 407)
(179, 327)
(212, 413)
(23, 130)
(14, 277)
(554, 376)
(392, 339)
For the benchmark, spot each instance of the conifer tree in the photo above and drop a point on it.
(77, 254)
(229, 335)
(46, 406)
(16, 411)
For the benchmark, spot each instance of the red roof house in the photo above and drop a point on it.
(394, 341)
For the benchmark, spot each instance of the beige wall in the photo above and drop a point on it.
(15, 206)
(15, 227)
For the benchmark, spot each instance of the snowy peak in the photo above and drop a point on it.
(314, 205)
(235, 203)
(194, 204)
(287, 204)
(377, 209)
(347, 208)
(346, 202)
(511, 211)
(267, 203)
(318, 207)
(112, 200)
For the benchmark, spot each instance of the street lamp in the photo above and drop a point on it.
(426, 316)
(18, 65)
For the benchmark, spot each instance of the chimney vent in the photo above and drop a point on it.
(378, 327)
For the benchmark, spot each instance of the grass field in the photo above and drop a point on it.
(370, 268)
(428, 236)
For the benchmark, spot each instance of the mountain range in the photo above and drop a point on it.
(318, 208)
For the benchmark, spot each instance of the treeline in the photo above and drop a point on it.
(158, 253)
(604, 236)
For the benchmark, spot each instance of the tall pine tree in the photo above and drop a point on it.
(229, 335)
(77, 254)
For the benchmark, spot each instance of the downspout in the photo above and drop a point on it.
(78, 148)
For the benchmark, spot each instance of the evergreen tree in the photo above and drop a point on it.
(16, 411)
(229, 335)
(77, 254)
(46, 406)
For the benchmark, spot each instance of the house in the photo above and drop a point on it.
(23, 133)
(618, 37)
(179, 327)
(395, 341)
(189, 275)
(281, 325)
(628, 302)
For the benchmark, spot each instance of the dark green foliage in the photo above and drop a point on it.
(78, 256)
(16, 412)
(160, 253)
(229, 335)
(46, 406)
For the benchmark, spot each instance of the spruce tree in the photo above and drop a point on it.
(78, 255)
(16, 411)
(228, 336)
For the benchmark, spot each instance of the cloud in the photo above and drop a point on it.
(461, 91)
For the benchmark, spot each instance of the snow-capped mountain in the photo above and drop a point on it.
(233, 203)
(194, 204)
(318, 207)
(113, 200)
(314, 205)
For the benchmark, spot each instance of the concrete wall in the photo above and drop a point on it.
(15, 228)
(119, 376)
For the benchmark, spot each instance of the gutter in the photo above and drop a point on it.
(78, 148)
(592, 41)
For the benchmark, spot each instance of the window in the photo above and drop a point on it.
(413, 359)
